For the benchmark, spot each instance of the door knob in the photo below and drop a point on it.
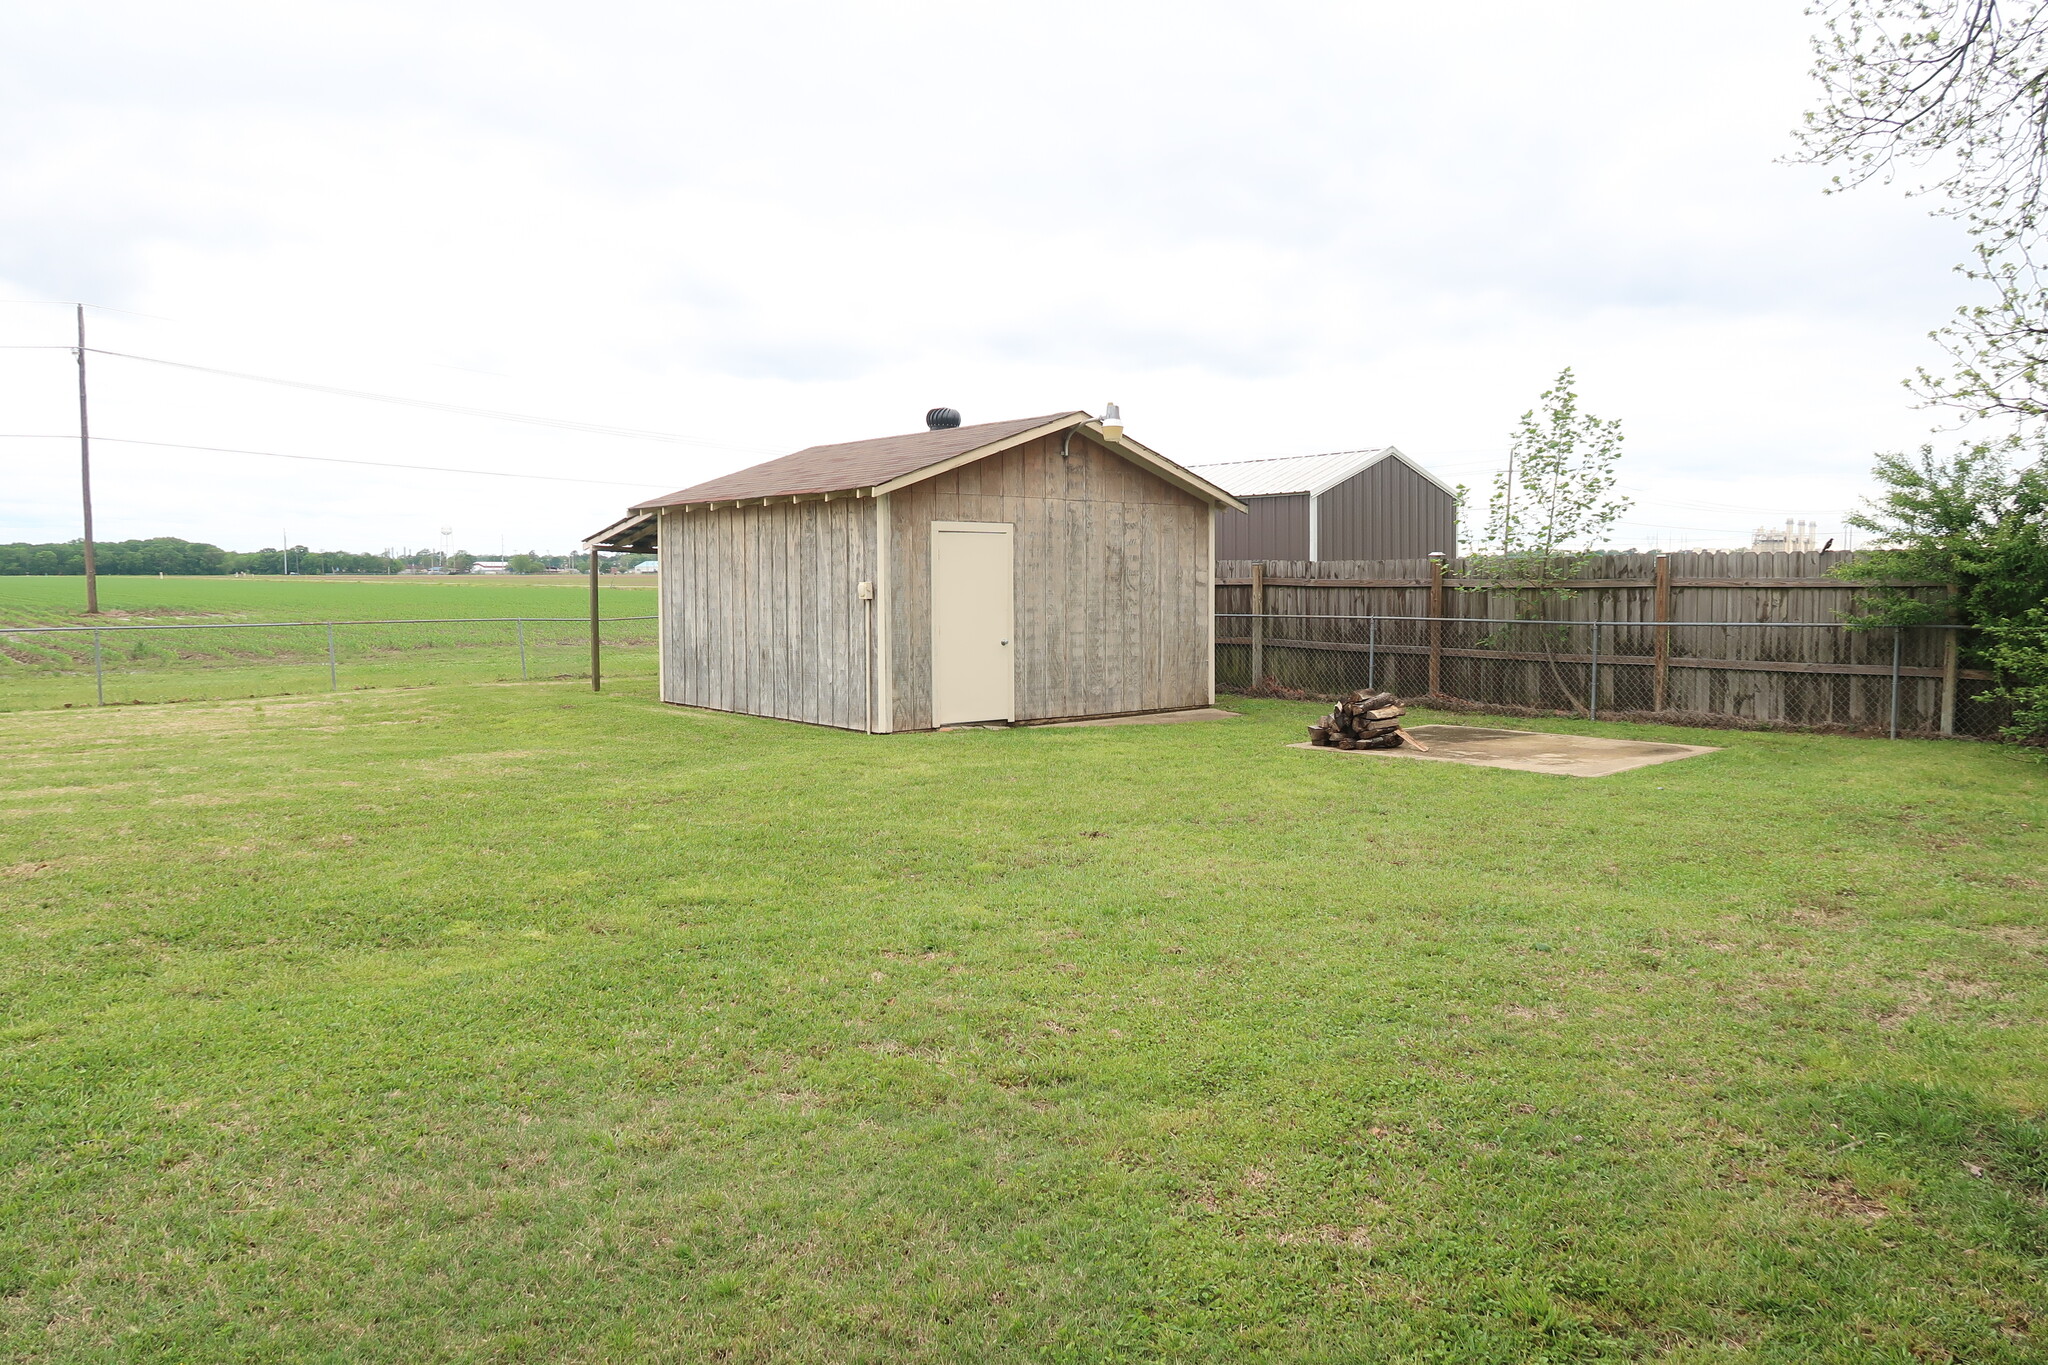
(1006, 642)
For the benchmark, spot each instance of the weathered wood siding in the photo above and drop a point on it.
(1112, 582)
(1274, 527)
(1384, 511)
(761, 610)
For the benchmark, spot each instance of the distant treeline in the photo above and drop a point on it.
(169, 555)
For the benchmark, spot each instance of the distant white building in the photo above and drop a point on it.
(1798, 537)
(491, 566)
(651, 566)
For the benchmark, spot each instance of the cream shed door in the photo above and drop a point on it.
(974, 670)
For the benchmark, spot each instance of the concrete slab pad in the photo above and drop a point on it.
(1528, 751)
(1149, 718)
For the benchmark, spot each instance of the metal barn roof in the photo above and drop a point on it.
(1312, 474)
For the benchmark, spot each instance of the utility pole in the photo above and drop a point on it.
(92, 579)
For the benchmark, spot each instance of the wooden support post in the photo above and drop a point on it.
(1436, 625)
(1258, 625)
(1951, 653)
(1593, 682)
(596, 683)
(1662, 646)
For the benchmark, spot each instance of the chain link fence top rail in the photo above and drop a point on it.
(1709, 637)
(44, 667)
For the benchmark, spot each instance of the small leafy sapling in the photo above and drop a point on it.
(1551, 506)
(1555, 500)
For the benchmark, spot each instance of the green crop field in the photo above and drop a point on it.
(503, 1023)
(181, 657)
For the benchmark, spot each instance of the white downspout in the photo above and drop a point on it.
(1315, 527)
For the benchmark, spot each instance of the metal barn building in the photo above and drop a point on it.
(1045, 568)
(1350, 504)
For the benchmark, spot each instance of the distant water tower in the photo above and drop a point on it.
(446, 532)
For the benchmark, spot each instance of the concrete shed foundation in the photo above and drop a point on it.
(1529, 751)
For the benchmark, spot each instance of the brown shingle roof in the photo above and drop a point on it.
(855, 464)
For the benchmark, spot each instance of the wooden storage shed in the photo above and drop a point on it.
(1349, 504)
(1044, 568)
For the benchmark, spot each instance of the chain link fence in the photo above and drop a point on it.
(1796, 675)
(44, 667)
(1814, 676)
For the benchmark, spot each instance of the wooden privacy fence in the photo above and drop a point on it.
(1708, 636)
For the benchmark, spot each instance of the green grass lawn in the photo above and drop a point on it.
(46, 671)
(496, 1023)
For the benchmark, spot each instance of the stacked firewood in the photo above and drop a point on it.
(1363, 720)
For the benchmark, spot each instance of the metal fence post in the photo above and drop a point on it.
(1372, 646)
(99, 679)
(1593, 690)
(1951, 651)
(333, 672)
(1258, 625)
(1898, 638)
(520, 626)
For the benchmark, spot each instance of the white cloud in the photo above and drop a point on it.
(1261, 230)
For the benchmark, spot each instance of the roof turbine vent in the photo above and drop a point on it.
(941, 419)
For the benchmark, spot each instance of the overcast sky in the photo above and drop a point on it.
(1263, 230)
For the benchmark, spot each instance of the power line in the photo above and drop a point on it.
(566, 424)
(322, 459)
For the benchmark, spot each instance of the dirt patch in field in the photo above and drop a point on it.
(2024, 936)
(1328, 1235)
(1839, 1198)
